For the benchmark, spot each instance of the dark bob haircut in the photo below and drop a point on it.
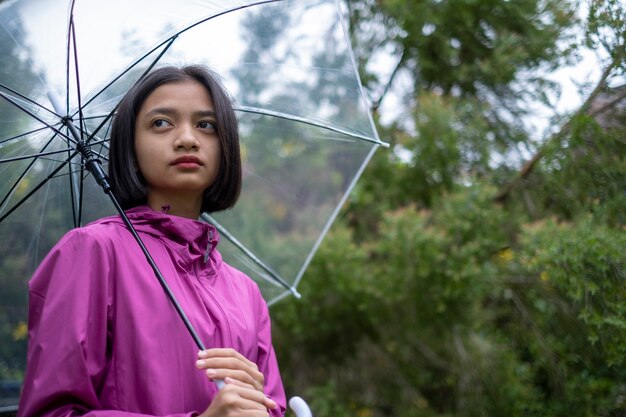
(127, 182)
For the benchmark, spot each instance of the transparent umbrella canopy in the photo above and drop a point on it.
(306, 130)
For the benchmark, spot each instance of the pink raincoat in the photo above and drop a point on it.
(105, 341)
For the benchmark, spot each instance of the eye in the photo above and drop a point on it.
(206, 125)
(161, 123)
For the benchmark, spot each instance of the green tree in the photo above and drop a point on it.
(478, 271)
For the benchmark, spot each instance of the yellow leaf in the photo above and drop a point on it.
(365, 412)
(505, 255)
(20, 332)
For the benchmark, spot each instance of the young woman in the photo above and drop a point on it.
(104, 340)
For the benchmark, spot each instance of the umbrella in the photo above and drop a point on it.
(306, 132)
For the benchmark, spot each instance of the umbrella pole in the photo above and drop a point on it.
(94, 165)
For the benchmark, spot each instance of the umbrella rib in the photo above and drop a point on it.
(96, 117)
(51, 175)
(171, 39)
(334, 215)
(75, 199)
(34, 155)
(102, 142)
(22, 175)
(294, 118)
(76, 70)
(23, 97)
(19, 203)
(54, 129)
(21, 135)
(169, 43)
(34, 190)
(67, 57)
(165, 45)
(234, 9)
(273, 274)
(110, 114)
(34, 116)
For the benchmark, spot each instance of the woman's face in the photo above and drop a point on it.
(176, 143)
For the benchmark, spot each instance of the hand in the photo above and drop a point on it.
(238, 399)
(228, 363)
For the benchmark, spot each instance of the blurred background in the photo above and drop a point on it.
(479, 267)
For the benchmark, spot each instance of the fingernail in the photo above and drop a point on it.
(210, 373)
(201, 354)
(199, 364)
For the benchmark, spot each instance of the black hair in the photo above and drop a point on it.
(126, 180)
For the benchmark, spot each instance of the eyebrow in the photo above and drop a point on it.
(172, 112)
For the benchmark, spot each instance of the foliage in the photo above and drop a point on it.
(476, 270)
(465, 45)
(607, 29)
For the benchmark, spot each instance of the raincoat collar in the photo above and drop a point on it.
(191, 238)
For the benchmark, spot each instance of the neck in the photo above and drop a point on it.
(176, 205)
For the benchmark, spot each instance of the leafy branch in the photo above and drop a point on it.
(585, 108)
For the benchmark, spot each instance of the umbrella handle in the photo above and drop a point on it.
(297, 404)
(300, 407)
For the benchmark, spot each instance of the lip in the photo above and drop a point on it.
(187, 159)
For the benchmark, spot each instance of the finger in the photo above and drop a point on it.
(246, 392)
(223, 367)
(237, 397)
(230, 398)
(225, 353)
(226, 362)
(238, 375)
(229, 363)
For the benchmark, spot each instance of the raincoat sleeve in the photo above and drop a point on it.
(70, 309)
(267, 363)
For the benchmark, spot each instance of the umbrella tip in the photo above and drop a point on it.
(56, 102)
(295, 293)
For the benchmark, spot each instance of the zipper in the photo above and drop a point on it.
(226, 325)
(209, 291)
(209, 243)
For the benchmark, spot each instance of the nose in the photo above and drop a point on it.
(186, 139)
